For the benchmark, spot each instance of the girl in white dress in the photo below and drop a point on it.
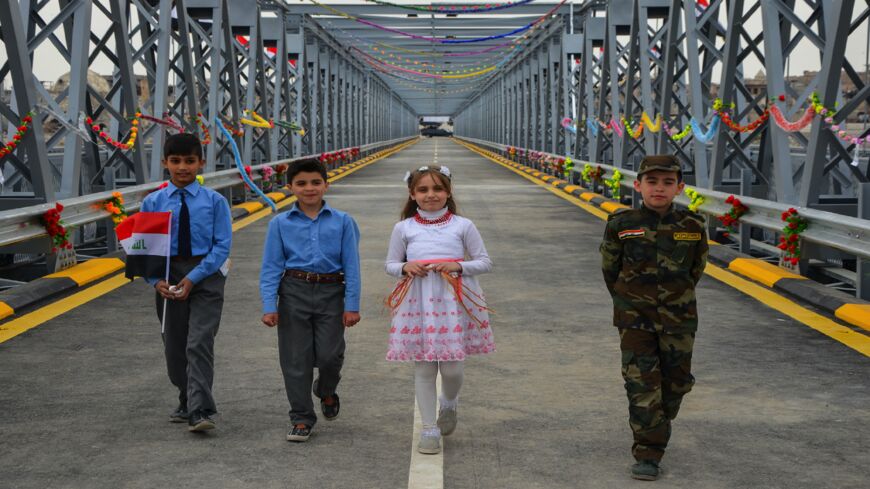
(439, 314)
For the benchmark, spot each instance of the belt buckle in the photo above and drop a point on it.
(308, 276)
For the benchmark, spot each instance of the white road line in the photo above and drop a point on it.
(427, 471)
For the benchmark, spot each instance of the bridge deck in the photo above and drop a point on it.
(85, 396)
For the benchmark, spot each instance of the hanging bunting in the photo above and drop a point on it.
(465, 9)
(435, 39)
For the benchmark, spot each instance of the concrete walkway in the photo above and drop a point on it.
(85, 396)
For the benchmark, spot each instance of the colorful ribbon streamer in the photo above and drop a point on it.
(465, 9)
(568, 125)
(705, 137)
(258, 121)
(165, 121)
(435, 39)
(238, 158)
(795, 126)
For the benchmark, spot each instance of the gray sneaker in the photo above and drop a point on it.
(447, 420)
(645, 470)
(430, 442)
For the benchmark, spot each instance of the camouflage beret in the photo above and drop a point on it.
(659, 162)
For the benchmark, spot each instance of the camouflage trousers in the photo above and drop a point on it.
(656, 368)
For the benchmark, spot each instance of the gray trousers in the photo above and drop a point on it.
(188, 339)
(310, 334)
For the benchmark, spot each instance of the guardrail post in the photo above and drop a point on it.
(862, 268)
(744, 229)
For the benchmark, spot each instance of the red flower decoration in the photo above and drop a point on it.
(782, 98)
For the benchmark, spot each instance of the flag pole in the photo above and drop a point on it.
(168, 254)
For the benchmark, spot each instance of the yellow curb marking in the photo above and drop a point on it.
(857, 314)
(87, 272)
(761, 271)
(17, 326)
(5, 310)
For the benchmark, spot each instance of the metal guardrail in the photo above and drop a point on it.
(23, 224)
(844, 233)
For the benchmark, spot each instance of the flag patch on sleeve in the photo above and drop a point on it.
(631, 233)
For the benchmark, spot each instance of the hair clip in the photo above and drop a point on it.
(407, 177)
(443, 170)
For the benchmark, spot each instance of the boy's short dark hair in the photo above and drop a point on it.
(183, 144)
(306, 165)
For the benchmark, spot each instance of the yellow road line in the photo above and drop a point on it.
(853, 339)
(28, 321)
(33, 319)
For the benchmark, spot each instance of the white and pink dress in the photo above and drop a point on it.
(436, 317)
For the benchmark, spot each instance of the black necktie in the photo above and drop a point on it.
(184, 230)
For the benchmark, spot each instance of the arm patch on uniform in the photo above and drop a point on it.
(632, 233)
(687, 236)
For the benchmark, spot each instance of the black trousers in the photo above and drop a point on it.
(310, 334)
(188, 339)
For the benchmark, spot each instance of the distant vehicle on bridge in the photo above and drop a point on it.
(435, 131)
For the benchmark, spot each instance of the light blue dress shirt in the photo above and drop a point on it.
(328, 243)
(211, 225)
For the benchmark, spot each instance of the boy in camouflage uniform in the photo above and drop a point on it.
(652, 259)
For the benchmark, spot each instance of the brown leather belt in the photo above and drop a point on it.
(315, 278)
(186, 258)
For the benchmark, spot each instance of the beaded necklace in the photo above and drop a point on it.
(429, 222)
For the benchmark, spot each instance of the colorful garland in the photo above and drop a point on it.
(789, 126)
(238, 131)
(206, 136)
(732, 218)
(678, 135)
(291, 126)
(55, 228)
(614, 183)
(634, 133)
(454, 9)
(166, 121)
(18, 136)
(134, 132)
(697, 200)
(115, 207)
(789, 243)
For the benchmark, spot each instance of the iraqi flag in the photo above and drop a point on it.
(145, 237)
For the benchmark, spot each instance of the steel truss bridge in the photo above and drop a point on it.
(348, 85)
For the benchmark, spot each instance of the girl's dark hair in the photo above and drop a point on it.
(306, 165)
(411, 205)
(183, 144)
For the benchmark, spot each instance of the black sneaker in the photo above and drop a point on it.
(645, 470)
(180, 415)
(299, 433)
(329, 405)
(199, 422)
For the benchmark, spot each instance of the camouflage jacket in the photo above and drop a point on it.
(651, 264)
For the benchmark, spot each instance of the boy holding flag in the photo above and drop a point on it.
(190, 290)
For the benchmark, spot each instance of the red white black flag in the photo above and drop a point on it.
(145, 237)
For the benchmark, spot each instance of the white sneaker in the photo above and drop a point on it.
(447, 420)
(430, 441)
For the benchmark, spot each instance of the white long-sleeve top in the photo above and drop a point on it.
(458, 238)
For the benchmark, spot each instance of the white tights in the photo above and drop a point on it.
(424, 383)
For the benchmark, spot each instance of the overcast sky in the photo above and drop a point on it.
(49, 65)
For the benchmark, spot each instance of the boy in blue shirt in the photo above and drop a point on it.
(310, 286)
(195, 290)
